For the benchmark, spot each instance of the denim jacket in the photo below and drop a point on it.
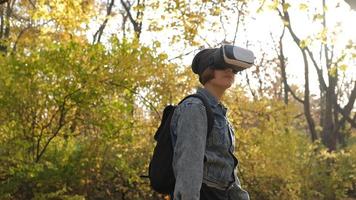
(200, 159)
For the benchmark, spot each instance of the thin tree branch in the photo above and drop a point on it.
(223, 27)
(99, 32)
(281, 58)
(127, 9)
(150, 104)
(181, 55)
(205, 40)
(346, 116)
(249, 86)
(348, 107)
(326, 49)
(61, 122)
(139, 17)
(238, 21)
(318, 70)
(259, 77)
(284, 75)
(1, 22)
(137, 26)
(124, 20)
(18, 38)
(33, 5)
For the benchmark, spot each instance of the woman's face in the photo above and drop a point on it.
(223, 78)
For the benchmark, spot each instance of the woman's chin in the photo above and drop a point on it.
(227, 85)
(230, 83)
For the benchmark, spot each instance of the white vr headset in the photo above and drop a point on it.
(229, 56)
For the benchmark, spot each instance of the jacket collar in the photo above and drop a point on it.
(213, 101)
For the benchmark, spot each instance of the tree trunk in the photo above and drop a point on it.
(328, 134)
(306, 104)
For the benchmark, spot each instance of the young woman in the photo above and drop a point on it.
(205, 166)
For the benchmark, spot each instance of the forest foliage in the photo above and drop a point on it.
(77, 116)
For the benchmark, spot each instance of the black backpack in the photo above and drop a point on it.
(160, 173)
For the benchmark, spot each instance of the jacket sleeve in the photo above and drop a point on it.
(236, 192)
(189, 149)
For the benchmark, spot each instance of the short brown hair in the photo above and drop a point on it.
(206, 76)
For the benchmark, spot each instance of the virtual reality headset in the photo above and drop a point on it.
(229, 56)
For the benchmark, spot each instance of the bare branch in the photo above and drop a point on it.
(124, 20)
(137, 25)
(307, 110)
(306, 103)
(346, 111)
(139, 16)
(286, 19)
(2, 23)
(127, 9)
(238, 21)
(326, 49)
(346, 116)
(259, 78)
(249, 86)
(181, 55)
(205, 40)
(61, 122)
(99, 32)
(294, 95)
(136, 93)
(281, 58)
(33, 5)
(318, 70)
(223, 27)
(18, 38)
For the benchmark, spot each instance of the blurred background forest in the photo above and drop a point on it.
(83, 85)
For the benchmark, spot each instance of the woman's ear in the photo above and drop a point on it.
(206, 76)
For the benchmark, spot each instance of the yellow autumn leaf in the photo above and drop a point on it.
(343, 67)
(304, 43)
(286, 6)
(303, 7)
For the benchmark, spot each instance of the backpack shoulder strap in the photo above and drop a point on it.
(209, 112)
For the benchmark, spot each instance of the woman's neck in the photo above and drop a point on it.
(215, 91)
